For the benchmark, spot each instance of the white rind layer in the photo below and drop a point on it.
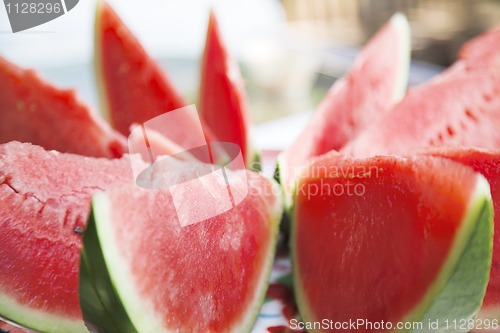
(402, 28)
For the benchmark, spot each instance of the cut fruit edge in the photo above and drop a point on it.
(141, 314)
(450, 281)
(98, 67)
(478, 220)
(233, 88)
(402, 28)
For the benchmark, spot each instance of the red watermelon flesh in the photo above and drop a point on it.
(44, 205)
(462, 110)
(477, 55)
(483, 50)
(132, 86)
(486, 162)
(223, 101)
(376, 81)
(212, 275)
(387, 224)
(32, 110)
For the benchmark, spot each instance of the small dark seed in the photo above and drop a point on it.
(79, 230)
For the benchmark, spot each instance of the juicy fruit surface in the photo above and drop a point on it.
(399, 233)
(457, 107)
(376, 81)
(223, 100)
(486, 162)
(211, 276)
(44, 207)
(34, 111)
(123, 65)
(458, 111)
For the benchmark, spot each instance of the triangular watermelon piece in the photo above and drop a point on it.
(460, 106)
(486, 162)
(32, 110)
(44, 205)
(376, 81)
(223, 101)
(391, 240)
(462, 109)
(132, 86)
(149, 273)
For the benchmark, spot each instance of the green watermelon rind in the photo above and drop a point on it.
(255, 161)
(459, 289)
(38, 320)
(99, 300)
(137, 311)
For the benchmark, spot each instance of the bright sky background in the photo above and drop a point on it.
(167, 28)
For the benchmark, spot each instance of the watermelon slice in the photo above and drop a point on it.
(151, 274)
(132, 86)
(486, 162)
(391, 240)
(463, 109)
(32, 110)
(458, 107)
(44, 205)
(223, 101)
(376, 81)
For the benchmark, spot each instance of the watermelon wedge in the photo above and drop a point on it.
(463, 109)
(44, 204)
(132, 86)
(223, 101)
(151, 274)
(391, 240)
(32, 110)
(458, 107)
(376, 81)
(486, 162)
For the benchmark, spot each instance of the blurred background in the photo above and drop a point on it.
(290, 51)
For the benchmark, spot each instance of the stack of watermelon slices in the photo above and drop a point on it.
(404, 237)
(365, 218)
(46, 201)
